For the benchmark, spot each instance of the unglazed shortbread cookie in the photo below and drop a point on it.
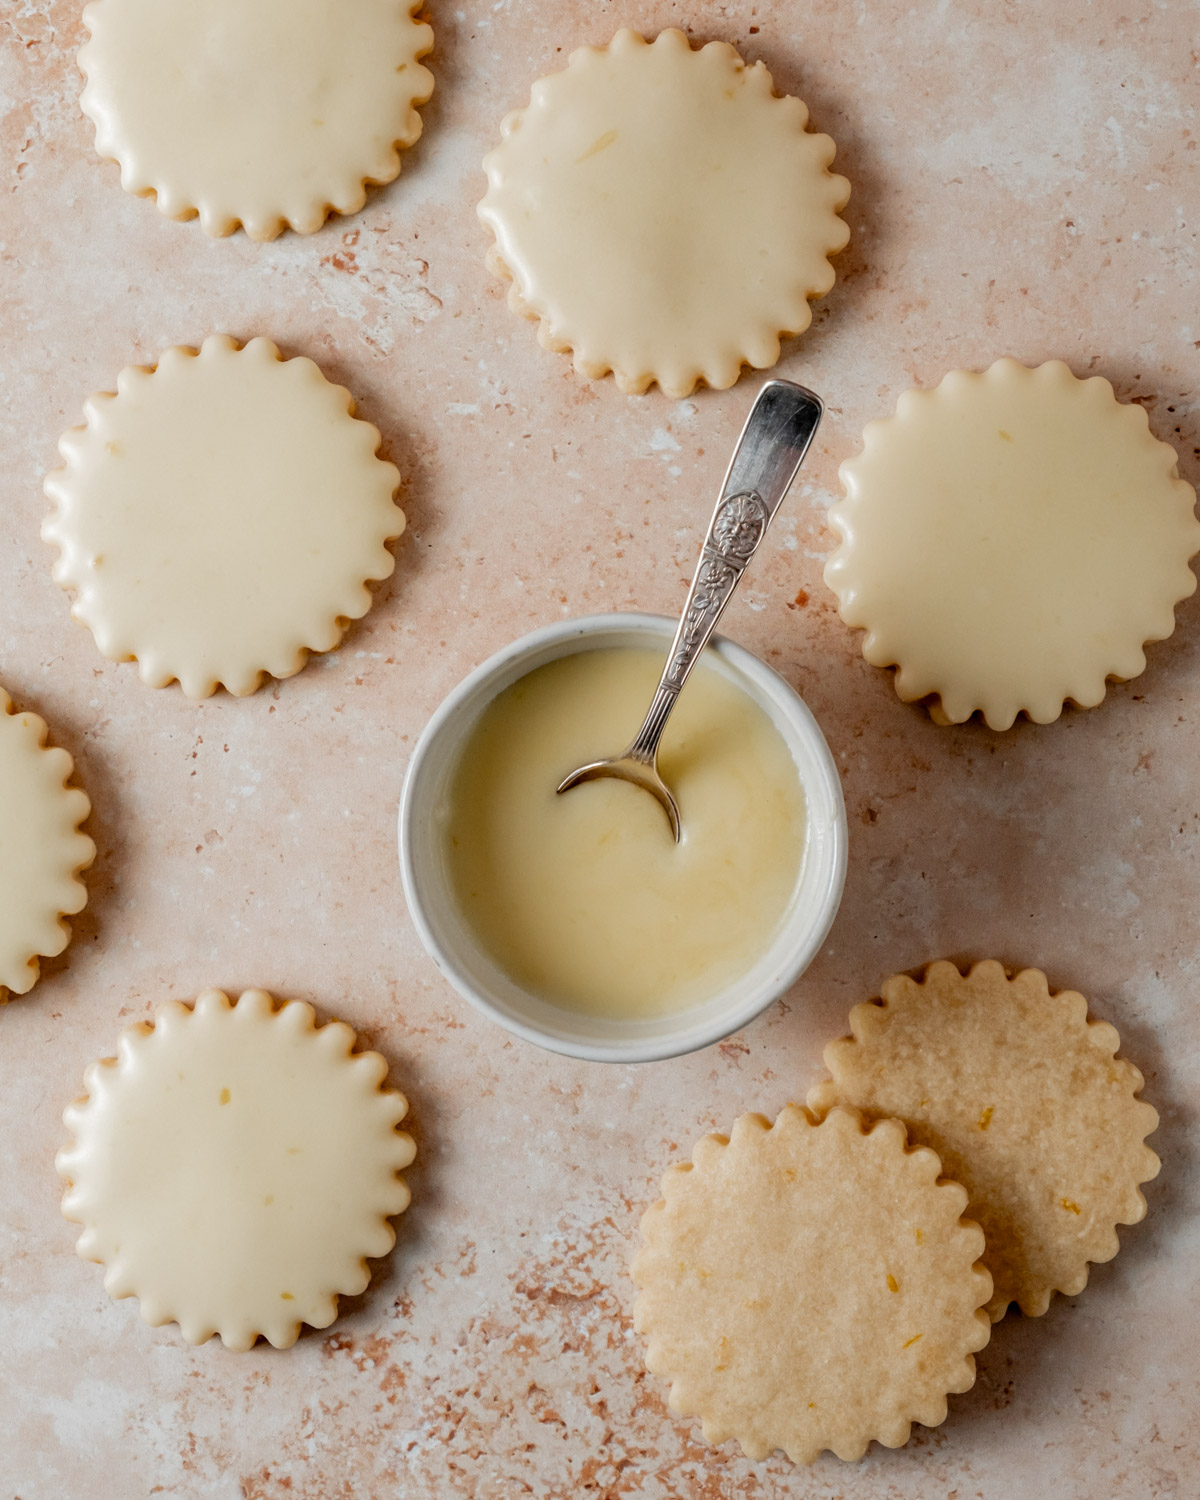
(221, 515)
(1025, 1102)
(663, 213)
(1010, 541)
(811, 1286)
(263, 113)
(233, 1166)
(42, 850)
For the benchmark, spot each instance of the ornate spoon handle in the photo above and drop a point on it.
(777, 434)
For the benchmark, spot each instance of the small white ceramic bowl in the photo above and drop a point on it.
(477, 977)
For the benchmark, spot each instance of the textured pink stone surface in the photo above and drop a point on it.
(1025, 182)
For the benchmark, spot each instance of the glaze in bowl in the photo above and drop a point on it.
(456, 950)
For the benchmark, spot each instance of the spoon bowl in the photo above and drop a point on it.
(639, 772)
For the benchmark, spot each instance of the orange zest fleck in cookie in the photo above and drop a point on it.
(1026, 1103)
(811, 1286)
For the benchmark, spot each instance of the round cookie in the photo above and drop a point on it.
(220, 516)
(1027, 1105)
(234, 1166)
(663, 213)
(263, 113)
(808, 1286)
(1010, 541)
(42, 850)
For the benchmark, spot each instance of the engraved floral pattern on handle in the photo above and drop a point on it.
(715, 581)
(736, 530)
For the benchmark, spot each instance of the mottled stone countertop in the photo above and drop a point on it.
(1025, 182)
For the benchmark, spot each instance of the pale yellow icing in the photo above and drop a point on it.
(220, 516)
(263, 113)
(232, 1168)
(1010, 541)
(663, 213)
(585, 898)
(41, 848)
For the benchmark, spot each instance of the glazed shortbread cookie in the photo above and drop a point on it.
(663, 213)
(263, 113)
(221, 515)
(233, 1166)
(1010, 541)
(42, 850)
(810, 1286)
(1027, 1105)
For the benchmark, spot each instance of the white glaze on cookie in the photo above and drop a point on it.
(234, 1166)
(263, 113)
(220, 516)
(1010, 541)
(663, 212)
(42, 850)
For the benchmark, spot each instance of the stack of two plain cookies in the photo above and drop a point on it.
(814, 1284)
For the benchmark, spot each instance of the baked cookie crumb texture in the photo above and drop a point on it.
(1025, 1101)
(811, 1286)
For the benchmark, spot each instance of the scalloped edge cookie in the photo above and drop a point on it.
(126, 619)
(202, 1150)
(220, 212)
(721, 364)
(839, 1219)
(954, 1057)
(959, 642)
(73, 851)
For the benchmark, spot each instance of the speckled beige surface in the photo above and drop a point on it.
(1025, 182)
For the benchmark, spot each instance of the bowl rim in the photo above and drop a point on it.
(765, 684)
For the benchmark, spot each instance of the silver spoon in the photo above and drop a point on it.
(768, 455)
